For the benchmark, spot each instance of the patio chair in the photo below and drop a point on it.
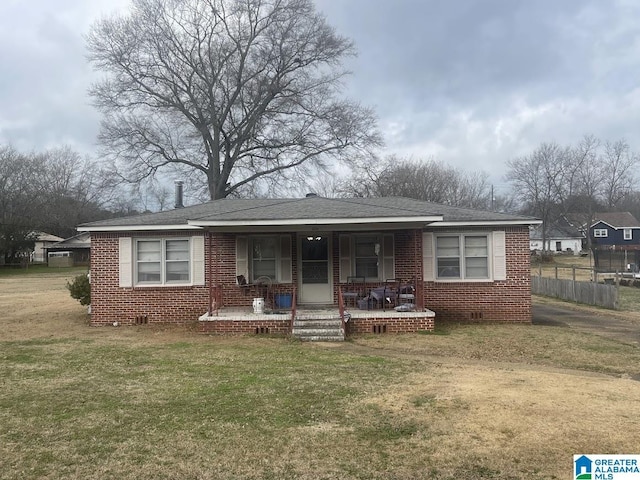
(353, 291)
(406, 296)
(391, 291)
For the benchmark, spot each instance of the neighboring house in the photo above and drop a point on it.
(72, 251)
(42, 242)
(209, 261)
(561, 237)
(615, 240)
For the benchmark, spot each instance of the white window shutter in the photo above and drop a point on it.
(285, 260)
(499, 256)
(242, 257)
(197, 260)
(125, 262)
(345, 258)
(388, 266)
(428, 259)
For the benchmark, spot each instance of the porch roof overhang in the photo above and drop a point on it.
(488, 223)
(317, 224)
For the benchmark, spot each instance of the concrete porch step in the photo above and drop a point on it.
(318, 330)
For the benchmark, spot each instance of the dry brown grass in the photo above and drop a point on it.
(502, 402)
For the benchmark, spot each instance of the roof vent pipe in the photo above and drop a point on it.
(179, 194)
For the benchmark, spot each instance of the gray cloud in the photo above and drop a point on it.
(471, 82)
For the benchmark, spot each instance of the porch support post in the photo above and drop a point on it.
(418, 258)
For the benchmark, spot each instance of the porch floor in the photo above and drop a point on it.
(246, 314)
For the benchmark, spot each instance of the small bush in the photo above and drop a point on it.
(80, 289)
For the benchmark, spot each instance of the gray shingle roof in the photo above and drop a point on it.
(308, 208)
(82, 240)
(617, 219)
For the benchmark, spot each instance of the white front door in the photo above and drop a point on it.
(314, 263)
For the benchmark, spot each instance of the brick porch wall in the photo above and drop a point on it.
(389, 325)
(506, 301)
(244, 327)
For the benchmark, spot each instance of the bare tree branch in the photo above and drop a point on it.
(237, 90)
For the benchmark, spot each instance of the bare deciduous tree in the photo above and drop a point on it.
(431, 181)
(228, 92)
(540, 181)
(617, 175)
(51, 191)
(556, 180)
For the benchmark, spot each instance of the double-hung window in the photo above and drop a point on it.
(366, 256)
(263, 256)
(464, 257)
(264, 251)
(162, 261)
(370, 255)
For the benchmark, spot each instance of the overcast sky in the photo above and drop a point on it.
(473, 83)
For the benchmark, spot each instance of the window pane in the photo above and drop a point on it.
(475, 247)
(263, 268)
(177, 249)
(477, 267)
(263, 257)
(448, 247)
(448, 257)
(476, 252)
(264, 248)
(149, 272)
(449, 267)
(149, 255)
(149, 250)
(367, 267)
(366, 246)
(367, 249)
(177, 272)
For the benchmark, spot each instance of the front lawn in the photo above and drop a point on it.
(470, 402)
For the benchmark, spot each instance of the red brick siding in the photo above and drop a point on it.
(506, 301)
(244, 327)
(391, 325)
(223, 271)
(112, 303)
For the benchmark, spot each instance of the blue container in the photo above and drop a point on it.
(283, 300)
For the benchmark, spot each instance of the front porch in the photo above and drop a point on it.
(307, 323)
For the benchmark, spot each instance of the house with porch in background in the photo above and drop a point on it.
(305, 258)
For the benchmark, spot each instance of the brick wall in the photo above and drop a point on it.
(245, 327)
(506, 301)
(112, 303)
(379, 324)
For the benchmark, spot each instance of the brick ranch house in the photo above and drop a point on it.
(208, 262)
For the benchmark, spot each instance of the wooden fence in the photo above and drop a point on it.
(591, 293)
